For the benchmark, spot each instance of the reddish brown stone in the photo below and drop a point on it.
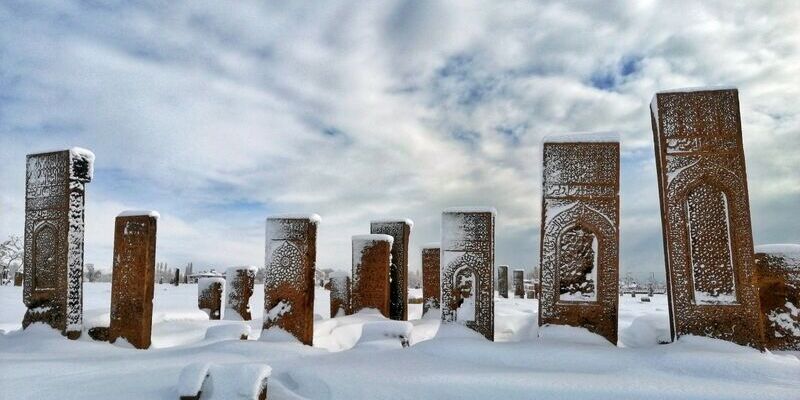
(209, 296)
(502, 281)
(339, 285)
(708, 243)
(519, 283)
(289, 280)
(579, 272)
(18, 278)
(370, 286)
(54, 200)
(239, 282)
(133, 278)
(431, 285)
(778, 277)
(400, 231)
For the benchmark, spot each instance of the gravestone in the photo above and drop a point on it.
(55, 185)
(467, 274)
(705, 213)
(210, 292)
(133, 277)
(400, 230)
(579, 271)
(370, 285)
(339, 285)
(430, 277)
(19, 276)
(778, 277)
(519, 283)
(502, 281)
(177, 280)
(239, 282)
(291, 255)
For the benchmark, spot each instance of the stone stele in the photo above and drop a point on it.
(339, 285)
(502, 281)
(519, 283)
(240, 282)
(431, 287)
(370, 286)
(778, 276)
(210, 292)
(400, 230)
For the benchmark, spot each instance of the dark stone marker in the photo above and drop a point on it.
(54, 200)
(430, 278)
(133, 278)
(579, 272)
(291, 256)
(19, 276)
(209, 296)
(339, 285)
(400, 230)
(519, 283)
(370, 286)
(177, 279)
(778, 277)
(705, 213)
(502, 281)
(240, 282)
(467, 274)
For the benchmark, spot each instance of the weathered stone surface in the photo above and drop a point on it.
(370, 286)
(19, 277)
(519, 283)
(708, 244)
(210, 291)
(778, 277)
(133, 278)
(339, 285)
(502, 281)
(239, 282)
(579, 271)
(431, 285)
(54, 201)
(400, 231)
(291, 256)
(467, 274)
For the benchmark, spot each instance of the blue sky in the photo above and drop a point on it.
(219, 114)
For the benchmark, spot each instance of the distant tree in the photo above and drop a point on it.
(91, 274)
(11, 254)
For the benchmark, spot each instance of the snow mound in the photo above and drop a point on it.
(471, 209)
(191, 379)
(228, 332)
(223, 381)
(386, 333)
(646, 331)
(571, 334)
(406, 221)
(783, 249)
(312, 217)
(587, 137)
(140, 213)
(277, 334)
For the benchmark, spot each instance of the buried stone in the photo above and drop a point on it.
(240, 282)
(519, 283)
(778, 277)
(400, 231)
(370, 285)
(339, 286)
(210, 292)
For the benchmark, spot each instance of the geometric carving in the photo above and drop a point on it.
(430, 277)
(778, 277)
(519, 283)
(502, 281)
(705, 212)
(400, 230)
(467, 251)
(55, 185)
(240, 282)
(339, 285)
(370, 286)
(210, 292)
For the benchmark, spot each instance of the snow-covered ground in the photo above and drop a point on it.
(360, 357)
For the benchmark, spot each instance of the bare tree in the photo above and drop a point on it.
(11, 254)
(91, 273)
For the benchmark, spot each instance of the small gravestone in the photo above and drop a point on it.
(19, 277)
(291, 255)
(239, 283)
(133, 278)
(55, 185)
(467, 274)
(430, 277)
(370, 285)
(177, 280)
(705, 213)
(519, 283)
(502, 281)
(339, 285)
(778, 277)
(400, 231)
(210, 292)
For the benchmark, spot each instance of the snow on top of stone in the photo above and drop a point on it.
(373, 237)
(79, 153)
(407, 221)
(432, 245)
(654, 101)
(586, 137)
(470, 210)
(779, 248)
(230, 271)
(237, 381)
(314, 218)
(140, 213)
(191, 378)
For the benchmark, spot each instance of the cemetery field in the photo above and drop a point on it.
(360, 356)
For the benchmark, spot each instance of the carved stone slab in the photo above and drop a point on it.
(579, 272)
(705, 211)
(519, 283)
(430, 278)
(54, 200)
(133, 278)
(400, 230)
(502, 281)
(778, 276)
(240, 282)
(339, 285)
(370, 287)
(468, 268)
(210, 292)
(291, 256)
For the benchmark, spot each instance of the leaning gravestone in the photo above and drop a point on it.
(210, 292)
(519, 283)
(579, 272)
(54, 201)
(291, 255)
(133, 278)
(431, 286)
(778, 277)
(339, 285)
(400, 230)
(705, 212)
(468, 268)
(239, 282)
(370, 286)
(502, 281)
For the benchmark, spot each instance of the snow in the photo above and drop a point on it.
(587, 137)
(232, 271)
(235, 381)
(406, 221)
(373, 237)
(432, 245)
(469, 209)
(783, 249)
(140, 213)
(191, 378)
(313, 218)
(86, 155)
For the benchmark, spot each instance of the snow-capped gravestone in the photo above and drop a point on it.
(705, 212)
(210, 292)
(291, 255)
(133, 277)
(206, 381)
(502, 281)
(579, 268)
(431, 287)
(778, 277)
(239, 282)
(54, 213)
(370, 286)
(339, 285)
(519, 283)
(400, 230)
(468, 267)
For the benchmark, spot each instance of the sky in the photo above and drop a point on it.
(219, 114)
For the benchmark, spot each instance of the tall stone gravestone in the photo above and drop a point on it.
(133, 278)
(705, 212)
(400, 230)
(210, 295)
(579, 272)
(339, 285)
(502, 281)
(431, 286)
(239, 282)
(371, 259)
(291, 254)
(778, 276)
(54, 201)
(468, 268)
(519, 283)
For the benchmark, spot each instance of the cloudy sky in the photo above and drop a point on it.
(220, 114)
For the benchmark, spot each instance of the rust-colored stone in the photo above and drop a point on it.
(339, 285)
(370, 285)
(54, 201)
(519, 283)
(239, 282)
(502, 281)
(133, 278)
(291, 255)
(18, 278)
(705, 211)
(778, 277)
(431, 285)
(467, 275)
(400, 230)
(579, 272)
(210, 291)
